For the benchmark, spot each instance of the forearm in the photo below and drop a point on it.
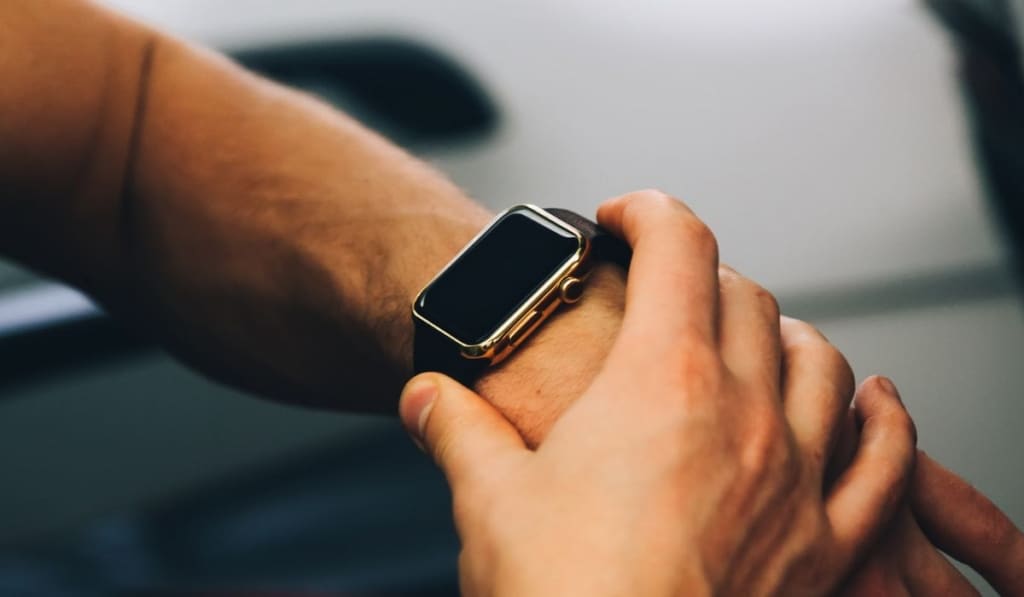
(320, 231)
(70, 88)
(277, 244)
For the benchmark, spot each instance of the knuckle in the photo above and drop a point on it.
(800, 331)
(839, 369)
(697, 344)
(797, 333)
(637, 202)
(728, 277)
(699, 359)
(700, 237)
(874, 385)
(764, 447)
(733, 281)
(806, 342)
(699, 370)
(650, 202)
(769, 304)
(632, 210)
(655, 197)
(829, 355)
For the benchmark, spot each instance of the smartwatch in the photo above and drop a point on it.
(500, 288)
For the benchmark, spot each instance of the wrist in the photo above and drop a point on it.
(542, 378)
(553, 367)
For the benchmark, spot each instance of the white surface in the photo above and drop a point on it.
(959, 372)
(823, 140)
(24, 308)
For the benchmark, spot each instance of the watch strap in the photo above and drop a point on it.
(604, 245)
(433, 351)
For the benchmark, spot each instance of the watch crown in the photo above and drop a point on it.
(571, 289)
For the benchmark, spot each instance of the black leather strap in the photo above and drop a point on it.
(604, 245)
(433, 351)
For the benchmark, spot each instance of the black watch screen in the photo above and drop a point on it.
(496, 275)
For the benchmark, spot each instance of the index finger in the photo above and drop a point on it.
(964, 523)
(672, 290)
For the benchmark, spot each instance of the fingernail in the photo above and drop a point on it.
(417, 401)
(889, 387)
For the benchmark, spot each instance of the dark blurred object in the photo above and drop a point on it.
(64, 346)
(409, 91)
(988, 39)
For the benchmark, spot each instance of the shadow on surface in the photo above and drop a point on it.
(365, 518)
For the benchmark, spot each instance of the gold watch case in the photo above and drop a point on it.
(561, 287)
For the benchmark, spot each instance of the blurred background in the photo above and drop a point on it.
(859, 159)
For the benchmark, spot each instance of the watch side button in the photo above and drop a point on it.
(523, 328)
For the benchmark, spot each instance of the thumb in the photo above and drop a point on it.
(462, 431)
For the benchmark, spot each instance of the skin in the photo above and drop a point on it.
(527, 519)
(146, 156)
(694, 462)
(260, 235)
(944, 514)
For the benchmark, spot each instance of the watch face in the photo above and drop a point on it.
(496, 275)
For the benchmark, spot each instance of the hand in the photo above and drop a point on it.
(679, 470)
(541, 380)
(958, 519)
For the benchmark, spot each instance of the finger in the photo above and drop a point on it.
(869, 491)
(844, 448)
(465, 435)
(922, 568)
(964, 523)
(938, 577)
(873, 583)
(817, 390)
(930, 573)
(748, 329)
(903, 562)
(672, 291)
